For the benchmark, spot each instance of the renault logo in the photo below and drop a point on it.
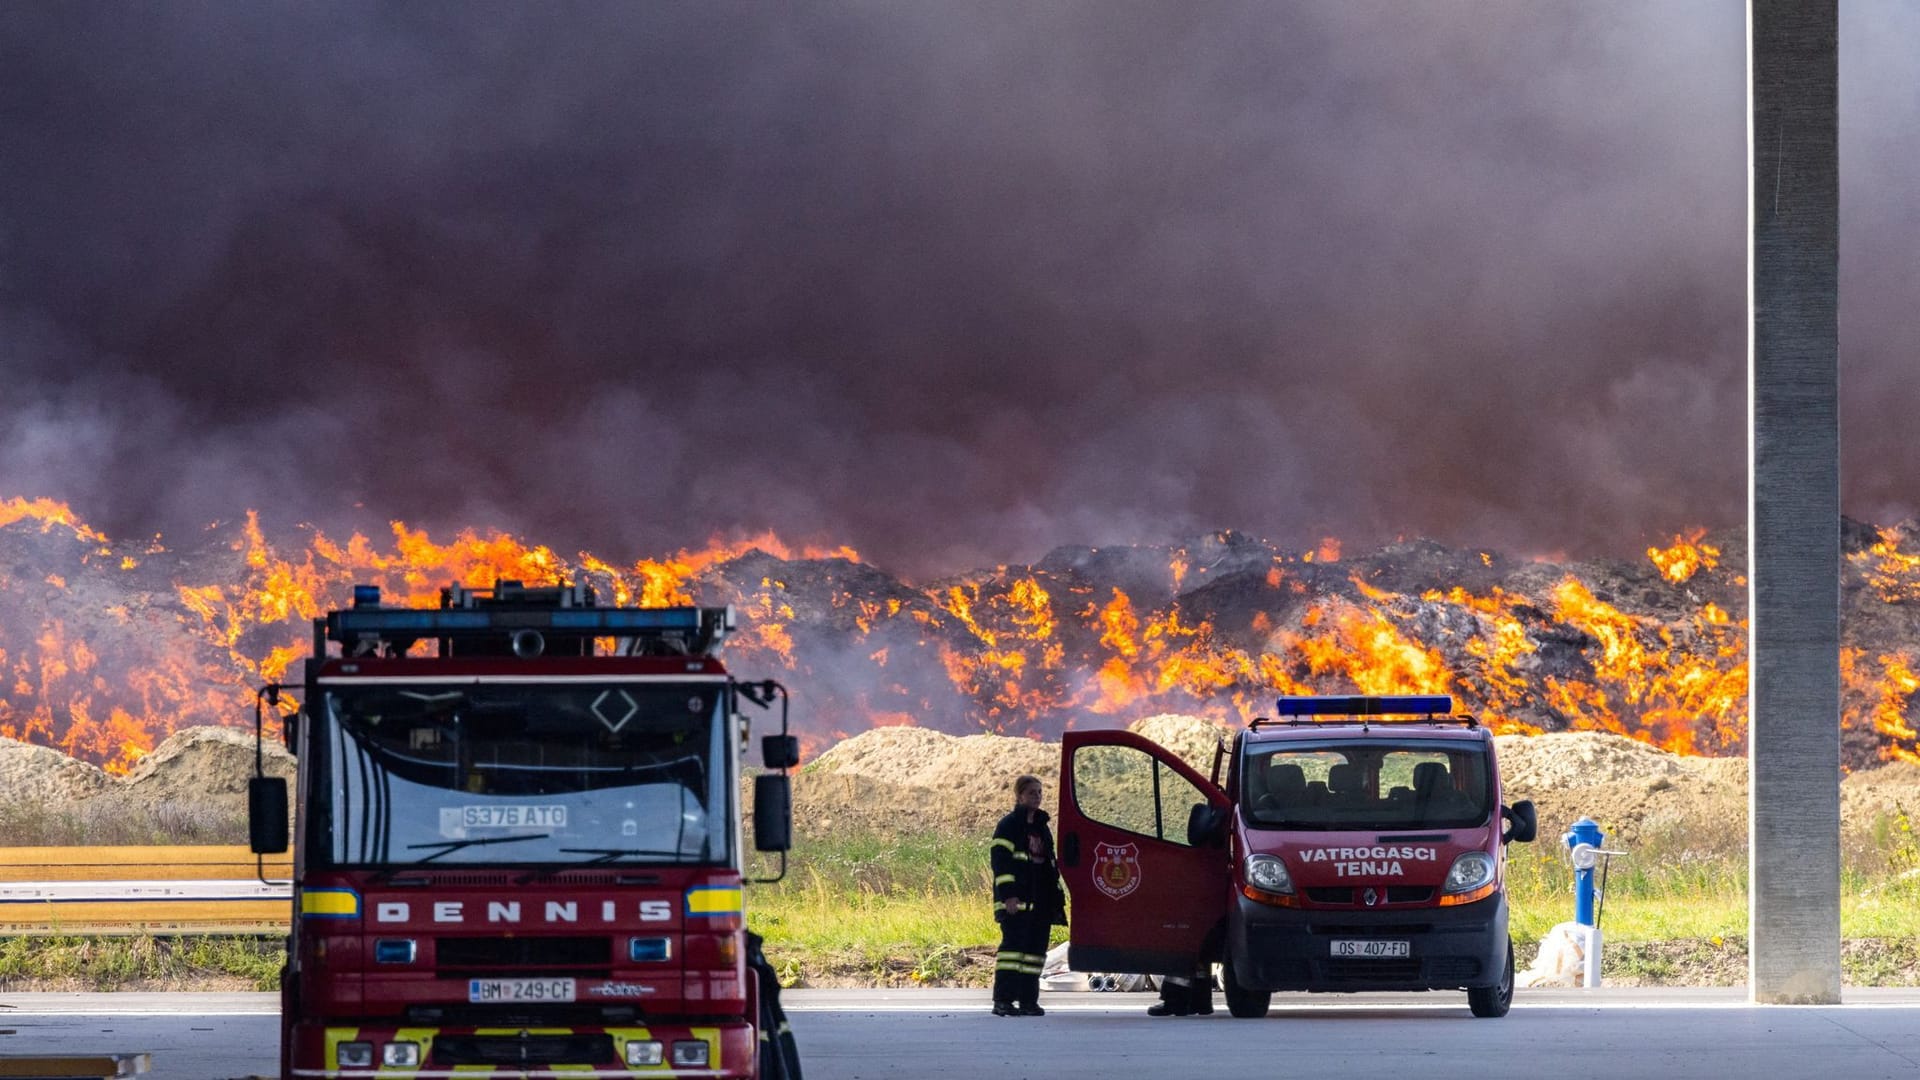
(1370, 897)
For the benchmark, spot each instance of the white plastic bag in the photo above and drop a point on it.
(1562, 960)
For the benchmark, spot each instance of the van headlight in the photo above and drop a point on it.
(1268, 874)
(1473, 870)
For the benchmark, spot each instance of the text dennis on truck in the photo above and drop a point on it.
(520, 850)
(1354, 843)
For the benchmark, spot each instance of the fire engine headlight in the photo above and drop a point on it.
(1268, 874)
(402, 1055)
(355, 1055)
(1472, 870)
(690, 1052)
(645, 1053)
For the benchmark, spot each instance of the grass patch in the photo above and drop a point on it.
(196, 962)
(111, 822)
(870, 910)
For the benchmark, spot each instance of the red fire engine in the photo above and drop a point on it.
(519, 850)
(1362, 852)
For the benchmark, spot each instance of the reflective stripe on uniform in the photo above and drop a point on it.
(1003, 879)
(1030, 963)
(1001, 841)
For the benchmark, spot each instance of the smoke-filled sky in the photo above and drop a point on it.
(951, 283)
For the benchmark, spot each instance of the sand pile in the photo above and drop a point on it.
(907, 779)
(31, 773)
(194, 773)
(202, 763)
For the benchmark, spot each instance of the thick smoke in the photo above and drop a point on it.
(949, 283)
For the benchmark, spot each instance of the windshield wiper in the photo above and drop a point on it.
(448, 847)
(610, 854)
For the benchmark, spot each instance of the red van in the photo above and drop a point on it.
(1355, 843)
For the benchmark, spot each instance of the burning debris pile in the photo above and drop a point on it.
(107, 647)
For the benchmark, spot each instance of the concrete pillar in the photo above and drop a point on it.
(1793, 735)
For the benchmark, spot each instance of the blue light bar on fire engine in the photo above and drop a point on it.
(590, 619)
(379, 621)
(1389, 705)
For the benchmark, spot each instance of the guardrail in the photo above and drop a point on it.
(142, 890)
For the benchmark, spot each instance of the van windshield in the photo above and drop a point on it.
(1371, 784)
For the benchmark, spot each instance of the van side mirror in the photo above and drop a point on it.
(1523, 823)
(267, 814)
(772, 812)
(1204, 824)
(779, 752)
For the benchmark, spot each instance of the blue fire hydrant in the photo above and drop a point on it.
(1583, 844)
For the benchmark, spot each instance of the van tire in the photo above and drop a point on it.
(1494, 1001)
(1242, 1002)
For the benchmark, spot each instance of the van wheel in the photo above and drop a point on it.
(1242, 1002)
(1492, 1001)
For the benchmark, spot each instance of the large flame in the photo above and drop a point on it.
(1015, 651)
(1685, 557)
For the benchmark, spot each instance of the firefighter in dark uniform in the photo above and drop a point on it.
(1027, 900)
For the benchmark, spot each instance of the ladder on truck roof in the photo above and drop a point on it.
(512, 619)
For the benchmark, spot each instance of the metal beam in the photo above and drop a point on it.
(1793, 733)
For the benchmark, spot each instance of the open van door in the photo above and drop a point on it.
(1148, 897)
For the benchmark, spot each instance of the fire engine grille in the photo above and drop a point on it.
(492, 953)
(522, 1050)
(519, 1016)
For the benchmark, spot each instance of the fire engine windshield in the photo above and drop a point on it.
(497, 774)
(1431, 784)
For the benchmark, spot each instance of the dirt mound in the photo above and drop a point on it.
(908, 779)
(30, 773)
(200, 763)
(1194, 739)
(1636, 793)
(1533, 763)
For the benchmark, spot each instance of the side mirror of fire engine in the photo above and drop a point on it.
(780, 752)
(267, 814)
(1204, 825)
(772, 812)
(1523, 822)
